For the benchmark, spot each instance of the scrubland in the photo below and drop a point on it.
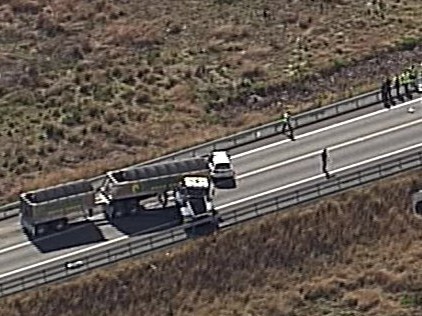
(87, 86)
(356, 253)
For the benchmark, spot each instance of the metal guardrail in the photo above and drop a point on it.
(9, 210)
(244, 137)
(286, 199)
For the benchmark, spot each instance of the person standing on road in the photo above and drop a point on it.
(405, 76)
(285, 120)
(396, 81)
(384, 95)
(325, 158)
(388, 84)
(413, 76)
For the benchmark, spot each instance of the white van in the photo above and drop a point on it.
(220, 165)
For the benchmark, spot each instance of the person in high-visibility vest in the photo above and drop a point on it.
(285, 121)
(405, 77)
(413, 75)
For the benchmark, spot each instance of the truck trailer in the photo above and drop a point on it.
(123, 190)
(53, 208)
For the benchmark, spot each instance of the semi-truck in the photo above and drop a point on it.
(53, 208)
(123, 191)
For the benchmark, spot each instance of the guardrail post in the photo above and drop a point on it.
(338, 183)
(129, 246)
(256, 208)
(150, 243)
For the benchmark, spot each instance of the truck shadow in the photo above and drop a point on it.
(76, 235)
(149, 221)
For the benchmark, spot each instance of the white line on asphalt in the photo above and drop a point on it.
(14, 247)
(249, 198)
(337, 146)
(23, 269)
(323, 129)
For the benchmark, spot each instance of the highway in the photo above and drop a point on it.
(262, 167)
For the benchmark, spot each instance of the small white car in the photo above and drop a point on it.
(220, 165)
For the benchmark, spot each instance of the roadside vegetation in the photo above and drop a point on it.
(88, 86)
(357, 253)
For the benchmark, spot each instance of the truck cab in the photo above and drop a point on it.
(194, 199)
(220, 165)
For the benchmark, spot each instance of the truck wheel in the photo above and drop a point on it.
(39, 230)
(163, 199)
(60, 225)
(133, 211)
(118, 213)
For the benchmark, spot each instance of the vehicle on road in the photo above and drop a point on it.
(122, 193)
(124, 190)
(53, 208)
(220, 165)
(194, 198)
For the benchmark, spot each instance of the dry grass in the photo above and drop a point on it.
(84, 82)
(357, 253)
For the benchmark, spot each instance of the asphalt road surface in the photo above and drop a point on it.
(261, 167)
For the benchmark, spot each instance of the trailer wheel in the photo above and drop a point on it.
(118, 213)
(163, 199)
(39, 230)
(133, 210)
(60, 225)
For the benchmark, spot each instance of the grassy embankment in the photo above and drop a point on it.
(357, 253)
(88, 86)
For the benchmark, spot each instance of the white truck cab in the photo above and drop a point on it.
(194, 198)
(220, 165)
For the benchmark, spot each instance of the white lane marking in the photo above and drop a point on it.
(323, 129)
(14, 247)
(249, 198)
(337, 146)
(10, 273)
